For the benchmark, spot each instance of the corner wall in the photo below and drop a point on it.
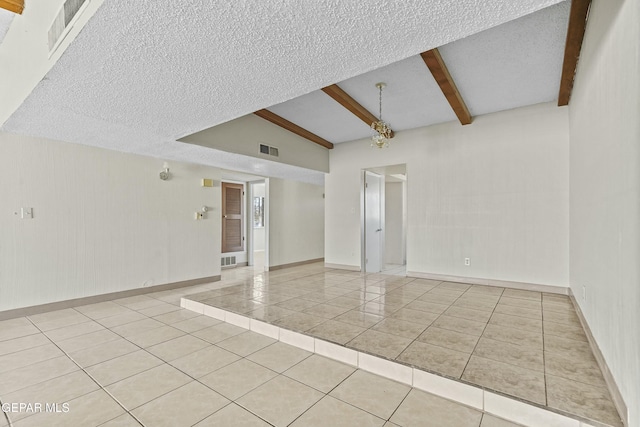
(103, 222)
(495, 191)
(604, 117)
(296, 221)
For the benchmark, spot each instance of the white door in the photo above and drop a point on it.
(373, 222)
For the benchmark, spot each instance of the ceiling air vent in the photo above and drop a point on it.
(272, 151)
(63, 22)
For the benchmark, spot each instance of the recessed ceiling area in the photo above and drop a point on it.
(141, 75)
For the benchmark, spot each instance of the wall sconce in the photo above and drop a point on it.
(164, 174)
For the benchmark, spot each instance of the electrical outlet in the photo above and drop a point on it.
(467, 261)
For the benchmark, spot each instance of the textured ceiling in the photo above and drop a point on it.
(142, 74)
(5, 21)
(512, 65)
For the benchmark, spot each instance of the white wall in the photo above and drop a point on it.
(258, 232)
(495, 191)
(394, 213)
(296, 221)
(103, 222)
(604, 115)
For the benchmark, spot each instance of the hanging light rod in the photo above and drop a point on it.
(382, 132)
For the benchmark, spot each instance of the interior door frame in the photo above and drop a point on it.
(242, 216)
(363, 220)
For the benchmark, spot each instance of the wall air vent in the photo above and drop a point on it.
(228, 261)
(271, 151)
(64, 22)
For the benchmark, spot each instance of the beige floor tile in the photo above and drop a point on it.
(516, 322)
(345, 302)
(458, 324)
(121, 319)
(280, 400)
(519, 311)
(139, 302)
(138, 327)
(122, 367)
(299, 322)
(320, 373)
(177, 347)
(371, 393)
(23, 343)
(523, 356)
(238, 378)
(449, 339)
(513, 335)
(66, 332)
(326, 310)
(279, 356)
(176, 316)
(572, 332)
(18, 379)
(486, 290)
(557, 344)
(219, 332)
(60, 389)
(333, 412)
(91, 409)
(103, 352)
(568, 317)
(400, 328)
(148, 385)
(233, 415)
(563, 307)
(519, 302)
(161, 308)
(522, 294)
(379, 343)
(435, 359)
(204, 361)
(424, 409)
(155, 336)
(475, 303)
(102, 309)
(246, 343)
(438, 298)
(468, 313)
(337, 332)
(583, 399)
(23, 358)
(510, 379)
(16, 328)
(358, 318)
(422, 318)
(87, 340)
(454, 286)
(430, 307)
(124, 420)
(270, 313)
(576, 367)
(58, 319)
(183, 406)
(491, 421)
(196, 324)
(297, 304)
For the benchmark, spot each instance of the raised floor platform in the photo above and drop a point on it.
(520, 355)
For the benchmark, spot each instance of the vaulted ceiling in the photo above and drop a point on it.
(142, 75)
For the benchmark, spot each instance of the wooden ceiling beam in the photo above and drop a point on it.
(436, 65)
(15, 6)
(344, 99)
(573, 45)
(292, 127)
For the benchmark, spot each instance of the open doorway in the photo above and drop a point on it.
(257, 255)
(384, 219)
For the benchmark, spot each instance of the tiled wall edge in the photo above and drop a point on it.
(551, 289)
(616, 395)
(500, 406)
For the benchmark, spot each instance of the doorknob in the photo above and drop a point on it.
(379, 229)
(224, 216)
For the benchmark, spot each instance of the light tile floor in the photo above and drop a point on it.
(145, 361)
(528, 345)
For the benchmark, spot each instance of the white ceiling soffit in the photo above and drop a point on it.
(512, 65)
(5, 22)
(142, 74)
